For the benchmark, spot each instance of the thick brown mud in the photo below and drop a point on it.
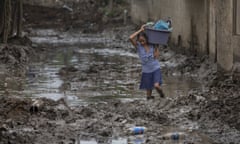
(83, 89)
(88, 85)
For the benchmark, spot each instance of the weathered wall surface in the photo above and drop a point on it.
(224, 32)
(236, 47)
(212, 28)
(189, 20)
(236, 37)
(200, 26)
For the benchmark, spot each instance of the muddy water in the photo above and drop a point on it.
(104, 72)
(93, 141)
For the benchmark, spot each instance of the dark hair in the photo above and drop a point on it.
(143, 34)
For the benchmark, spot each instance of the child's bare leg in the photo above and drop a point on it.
(149, 94)
(159, 90)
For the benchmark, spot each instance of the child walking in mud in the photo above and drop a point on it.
(148, 54)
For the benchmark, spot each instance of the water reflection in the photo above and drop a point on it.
(100, 76)
(102, 72)
(107, 141)
(175, 86)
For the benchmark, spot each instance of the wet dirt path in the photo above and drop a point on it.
(102, 72)
(105, 72)
(98, 78)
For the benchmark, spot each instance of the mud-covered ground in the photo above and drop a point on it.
(206, 115)
(84, 15)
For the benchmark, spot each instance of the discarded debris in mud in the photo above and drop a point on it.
(56, 123)
(101, 119)
(66, 70)
(205, 115)
(174, 136)
(16, 55)
(36, 106)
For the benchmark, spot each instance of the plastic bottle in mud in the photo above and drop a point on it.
(137, 130)
(174, 136)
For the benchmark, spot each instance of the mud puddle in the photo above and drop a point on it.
(94, 141)
(100, 71)
(90, 70)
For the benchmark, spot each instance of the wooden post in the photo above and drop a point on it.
(1, 16)
(7, 20)
(14, 17)
(19, 19)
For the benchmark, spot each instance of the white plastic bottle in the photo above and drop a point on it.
(174, 136)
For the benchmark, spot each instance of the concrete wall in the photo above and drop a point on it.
(236, 48)
(224, 34)
(201, 26)
(224, 28)
(236, 37)
(189, 20)
(212, 28)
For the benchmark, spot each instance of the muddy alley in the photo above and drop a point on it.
(76, 81)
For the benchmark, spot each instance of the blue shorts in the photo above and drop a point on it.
(149, 79)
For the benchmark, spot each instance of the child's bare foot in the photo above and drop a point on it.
(150, 97)
(160, 92)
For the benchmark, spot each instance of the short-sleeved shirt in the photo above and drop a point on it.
(149, 63)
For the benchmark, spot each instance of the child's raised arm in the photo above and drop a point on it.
(132, 37)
